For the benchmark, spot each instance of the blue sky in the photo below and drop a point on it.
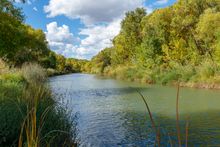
(81, 28)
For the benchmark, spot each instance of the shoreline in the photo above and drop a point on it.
(196, 85)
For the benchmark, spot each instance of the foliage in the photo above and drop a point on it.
(7, 6)
(20, 43)
(129, 38)
(170, 44)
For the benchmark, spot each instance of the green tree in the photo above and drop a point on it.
(6, 6)
(207, 31)
(129, 38)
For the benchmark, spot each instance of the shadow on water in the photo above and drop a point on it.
(204, 128)
(104, 92)
(134, 129)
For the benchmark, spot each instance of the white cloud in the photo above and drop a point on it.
(90, 12)
(61, 40)
(27, 1)
(35, 9)
(161, 2)
(59, 34)
(102, 23)
(98, 38)
(149, 9)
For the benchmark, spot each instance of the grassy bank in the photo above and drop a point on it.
(30, 115)
(206, 75)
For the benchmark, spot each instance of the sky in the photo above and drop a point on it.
(82, 28)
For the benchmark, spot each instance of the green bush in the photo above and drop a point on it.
(206, 70)
(51, 72)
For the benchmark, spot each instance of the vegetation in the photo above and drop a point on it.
(177, 43)
(29, 110)
(180, 43)
(21, 43)
(157, 128)
(30, 114)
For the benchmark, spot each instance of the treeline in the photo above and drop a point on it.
(20, 43)
(180, 42)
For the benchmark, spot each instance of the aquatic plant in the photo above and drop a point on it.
(157, 129)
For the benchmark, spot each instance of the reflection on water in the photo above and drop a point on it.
(111, 113)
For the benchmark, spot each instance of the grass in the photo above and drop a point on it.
(30, 115)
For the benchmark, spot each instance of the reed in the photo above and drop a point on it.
(177, 117)
(158, 136)
(151, 118)
(187, 132)
(32, 130)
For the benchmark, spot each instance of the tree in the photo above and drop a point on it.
(129, 38)
(101, 61)
(12, 35)
(6, 6)
(207, 31)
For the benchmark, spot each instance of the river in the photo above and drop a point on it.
(111, 112)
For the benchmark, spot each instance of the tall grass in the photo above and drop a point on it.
(30, 115)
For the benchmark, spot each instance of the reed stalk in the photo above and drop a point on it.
(187, 132)
(151, 118)
(177, 116)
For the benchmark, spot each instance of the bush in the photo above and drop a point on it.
(33, 73)
(206, 70)
(51, 72)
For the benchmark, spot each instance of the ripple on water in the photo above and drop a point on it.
(110, 112)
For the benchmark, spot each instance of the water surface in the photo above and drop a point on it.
(111, 112)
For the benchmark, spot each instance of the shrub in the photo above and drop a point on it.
(51, 72)
(33, 73)
(206, 70)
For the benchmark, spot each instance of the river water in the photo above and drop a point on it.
(111, 112)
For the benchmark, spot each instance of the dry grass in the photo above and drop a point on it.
(33, 73)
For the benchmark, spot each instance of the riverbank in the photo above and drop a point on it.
(206, 76)
(30, 114)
